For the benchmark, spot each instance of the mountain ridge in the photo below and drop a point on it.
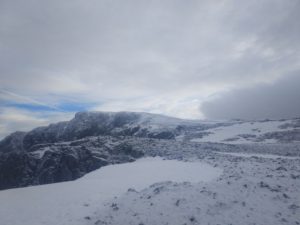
(85, 124)
(67, 150)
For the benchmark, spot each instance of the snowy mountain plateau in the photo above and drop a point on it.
(142, 168)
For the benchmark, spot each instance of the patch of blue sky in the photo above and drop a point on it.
(62, 107)
(30, 107)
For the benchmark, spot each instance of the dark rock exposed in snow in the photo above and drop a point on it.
(86, 124)
(282, 136)
(58, 162)
(13, 142)
(67, 152)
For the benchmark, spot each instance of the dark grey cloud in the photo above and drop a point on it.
(279, 100)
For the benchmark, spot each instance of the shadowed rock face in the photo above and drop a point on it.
(51, 163)
(12, 142)
(15, 169)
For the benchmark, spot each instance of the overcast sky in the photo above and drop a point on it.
(190, 59)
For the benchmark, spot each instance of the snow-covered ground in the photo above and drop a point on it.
(212, 184)
(251, 190)
(212, 173)
(72, 202)
(243, 132)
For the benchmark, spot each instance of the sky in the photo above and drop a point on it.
(204, 59)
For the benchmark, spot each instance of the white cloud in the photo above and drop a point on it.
(13, 119)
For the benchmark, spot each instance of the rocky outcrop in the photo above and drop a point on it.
(50, 163)
(67, 150)
(282, 136)
(13, 142)
(86, 124)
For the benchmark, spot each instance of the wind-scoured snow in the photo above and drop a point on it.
(70, 202)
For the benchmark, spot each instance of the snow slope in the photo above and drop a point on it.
(250, 191)
(70, 202)
(246, 132)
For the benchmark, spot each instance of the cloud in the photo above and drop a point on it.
(14, 119)
(279, 100)
(15, 99)
(183, 108)
(157, 56)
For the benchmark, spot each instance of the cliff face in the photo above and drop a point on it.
(57, 162)
(67, 150)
